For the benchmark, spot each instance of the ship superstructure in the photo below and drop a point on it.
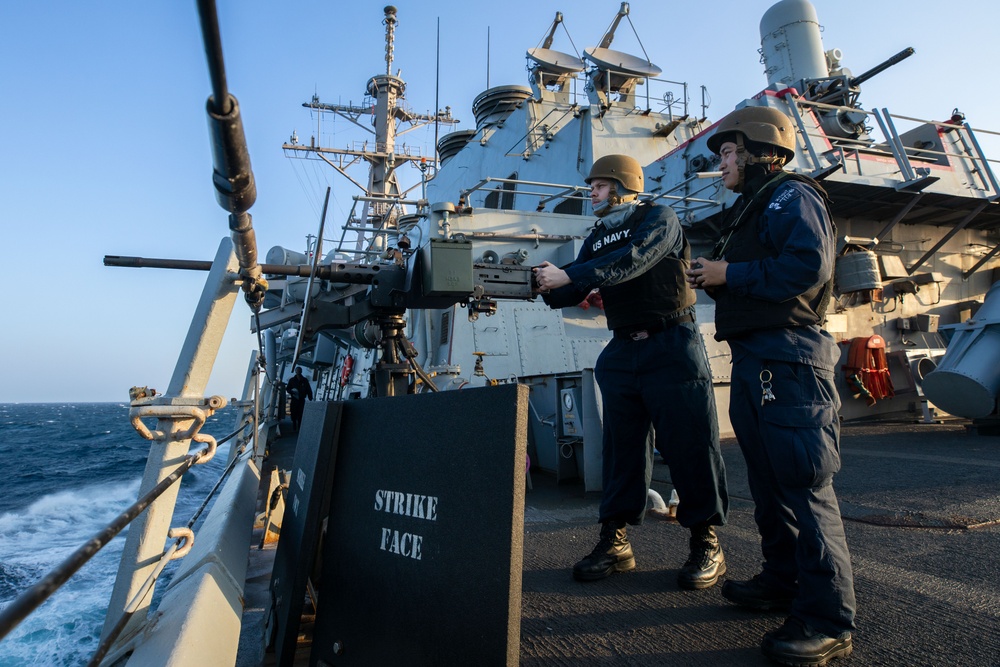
(914, 203)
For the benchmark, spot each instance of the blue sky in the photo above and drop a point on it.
(104, 144)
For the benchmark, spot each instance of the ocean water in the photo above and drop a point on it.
(70, 470)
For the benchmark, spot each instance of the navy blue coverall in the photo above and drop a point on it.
(792, 443)
(662, 379)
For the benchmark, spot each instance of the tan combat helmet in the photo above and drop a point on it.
(762, 125)
(622, 168)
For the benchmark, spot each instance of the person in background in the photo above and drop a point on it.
(654, 371)
(771, 276)
(298, 390)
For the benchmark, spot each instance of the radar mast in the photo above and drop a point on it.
(380, 197)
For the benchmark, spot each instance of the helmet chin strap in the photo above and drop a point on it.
(614, 199)
(772, 162)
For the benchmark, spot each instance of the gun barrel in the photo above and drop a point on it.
(343, 272)
(899, 57)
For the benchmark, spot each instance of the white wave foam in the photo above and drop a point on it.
(66, 628)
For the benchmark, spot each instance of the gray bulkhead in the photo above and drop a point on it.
(546, 146)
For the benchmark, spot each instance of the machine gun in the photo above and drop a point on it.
(440, 274)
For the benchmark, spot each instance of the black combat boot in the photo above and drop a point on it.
(798, 645)
(706, 563)
(612, 554)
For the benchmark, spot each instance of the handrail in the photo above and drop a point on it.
(910, 152)
(802, 128)
(307, 301)
(567, 191)
(892, 140)
(26, 603)
(867, 147)
(989, 172)
(870, 112)
(185, 538)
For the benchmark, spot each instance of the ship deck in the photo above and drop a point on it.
(921, 504)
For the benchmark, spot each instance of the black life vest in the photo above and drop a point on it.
(661, 292)
(741, 242)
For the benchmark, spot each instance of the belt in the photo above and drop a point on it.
(644, 331)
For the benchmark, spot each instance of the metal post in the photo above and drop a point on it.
(148, 533)
(899, 216)
(986, 165)
(794, 107)
(892, 139)
(975, 267)
(947, 237)
(250, 411)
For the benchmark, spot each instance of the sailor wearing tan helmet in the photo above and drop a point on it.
(771, 277)
(653, 372)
